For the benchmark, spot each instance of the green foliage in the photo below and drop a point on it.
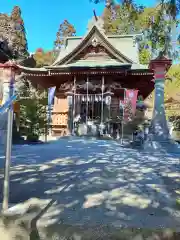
(33, 102)
(144, 56)
(155, 23)
(178, 203)
(172, 87)
(119, 19)
(172, 6)
(125, 19)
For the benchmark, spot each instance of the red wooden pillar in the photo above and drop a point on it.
(7, 76)
(8, 71)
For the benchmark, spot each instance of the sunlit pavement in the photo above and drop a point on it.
(98, 182)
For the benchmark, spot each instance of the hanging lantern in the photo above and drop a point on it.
(108, 100)
(70, 100)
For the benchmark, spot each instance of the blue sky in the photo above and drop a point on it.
(42, 17)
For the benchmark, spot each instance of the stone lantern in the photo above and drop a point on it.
(159, 128)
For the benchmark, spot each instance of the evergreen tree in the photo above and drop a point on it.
(33, 102)
(19, 28)
(8, 44)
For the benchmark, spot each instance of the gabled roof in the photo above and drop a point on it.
(127, 53)
(80, 53)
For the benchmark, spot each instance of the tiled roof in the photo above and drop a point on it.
(124, 45)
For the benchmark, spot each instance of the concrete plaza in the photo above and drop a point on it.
(97, 182)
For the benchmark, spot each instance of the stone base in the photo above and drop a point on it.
(168, 145)
(82, 129)
(89, 129)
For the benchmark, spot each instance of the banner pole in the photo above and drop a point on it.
(74, 106)
(51, 92)
(122, 123)
(87, 96)
(6, 187)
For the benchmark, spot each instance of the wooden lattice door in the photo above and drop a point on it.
(60, 116)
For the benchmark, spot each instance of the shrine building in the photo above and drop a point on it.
(90, 75)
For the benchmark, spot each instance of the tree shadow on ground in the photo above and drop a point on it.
(96, 183)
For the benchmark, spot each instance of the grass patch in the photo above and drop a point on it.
(178, 203)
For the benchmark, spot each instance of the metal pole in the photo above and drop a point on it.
(92, 107)
(49, 120)
(49, 116)
(122, 132)
(87, 92)
(109, 110)
(8, 159)
(74, 103)
(102, 96)
(122, 125)
(8, 147)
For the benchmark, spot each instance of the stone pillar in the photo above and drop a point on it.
(7, 75)
(159, 128)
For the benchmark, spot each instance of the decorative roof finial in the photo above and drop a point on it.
(95, 16)
(98, 21)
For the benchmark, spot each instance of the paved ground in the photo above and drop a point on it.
(98, 182)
